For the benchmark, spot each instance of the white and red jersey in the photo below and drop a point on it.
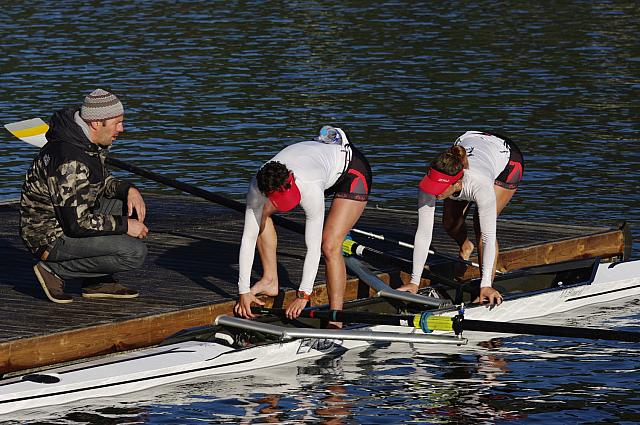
(316, 167)
(488, 155)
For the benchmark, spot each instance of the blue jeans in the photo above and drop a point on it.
(97, 256)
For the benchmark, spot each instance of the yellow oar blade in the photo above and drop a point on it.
(31, 131)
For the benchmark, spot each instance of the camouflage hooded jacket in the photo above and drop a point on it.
(63, 185)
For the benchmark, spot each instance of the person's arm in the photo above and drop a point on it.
(252, 219)
(313, 205)
(488, 217)
(424, 234)
(115, 188)
(252, 222)
(70, 189)
(488, 230)
(136, 203)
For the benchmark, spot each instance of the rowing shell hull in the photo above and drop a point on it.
(612, 281)
(152, 367)
(157, 366)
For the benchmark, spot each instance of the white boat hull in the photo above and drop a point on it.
(610, 283)
(158, 366)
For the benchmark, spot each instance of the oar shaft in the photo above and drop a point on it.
(176, 184)
(408, 245)
(384, 238)
(425, 321)
(548, 330)
(429, 322)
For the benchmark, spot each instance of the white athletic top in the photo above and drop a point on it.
(316, 167)
(488, 156)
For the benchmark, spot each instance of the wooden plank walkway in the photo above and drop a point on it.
(191, 272)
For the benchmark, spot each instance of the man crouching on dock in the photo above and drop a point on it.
(303, 174)
(75, 217)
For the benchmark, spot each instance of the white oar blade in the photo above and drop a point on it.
(31, 131)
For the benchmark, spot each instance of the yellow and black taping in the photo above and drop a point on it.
(429, 322)
(347, 247)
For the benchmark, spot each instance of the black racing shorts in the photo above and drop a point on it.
(355, 182)
(512, 174)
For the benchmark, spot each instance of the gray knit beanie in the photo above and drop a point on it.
(101, 105)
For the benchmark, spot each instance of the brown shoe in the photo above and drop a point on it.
(52, 284)
(108, 290)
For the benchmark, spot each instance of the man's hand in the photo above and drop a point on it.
(295, 308)
(135, 202)
(490, 296)
(243, 305)
(136, 229)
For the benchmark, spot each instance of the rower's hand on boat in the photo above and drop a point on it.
(243, 306)
(409, 287)
(136, 229)
(295, 308)
(490, 296)
(136, 203)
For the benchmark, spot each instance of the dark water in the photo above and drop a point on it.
(213, 89)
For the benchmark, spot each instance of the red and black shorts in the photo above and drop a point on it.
(512, 174)
(355, 182)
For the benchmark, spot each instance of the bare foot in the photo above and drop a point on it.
(466, 249)
(265, 286)
(409, 287)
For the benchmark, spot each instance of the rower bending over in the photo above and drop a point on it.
(480, 167)
(304, 173)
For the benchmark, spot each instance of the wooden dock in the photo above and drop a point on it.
(191, 272)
